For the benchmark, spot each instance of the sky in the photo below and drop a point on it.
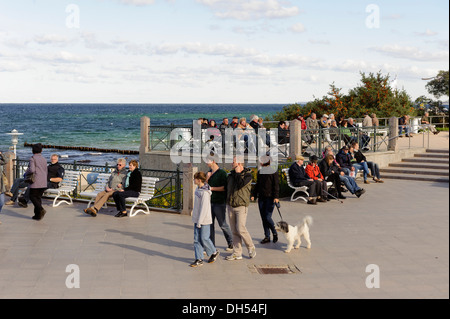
(214, 51)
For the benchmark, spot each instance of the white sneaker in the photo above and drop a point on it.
(233, 257)
(252, 252)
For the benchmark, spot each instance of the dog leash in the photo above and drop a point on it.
(278, 208)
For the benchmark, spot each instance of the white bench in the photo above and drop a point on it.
(67, 186)
(99, 186)
(303, 189)
(147, 192)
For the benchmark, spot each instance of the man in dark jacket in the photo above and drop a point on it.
(239, 185)
(298, 178)
(344, 159)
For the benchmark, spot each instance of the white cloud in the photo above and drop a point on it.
(427, 33)
(250, 9)
(298, 28)
(60, 57)
(53, 39)
(411, 53)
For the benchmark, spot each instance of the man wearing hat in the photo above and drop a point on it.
(298, 177)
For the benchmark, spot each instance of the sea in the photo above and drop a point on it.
(104, 126)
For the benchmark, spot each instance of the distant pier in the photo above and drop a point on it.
(86, 149)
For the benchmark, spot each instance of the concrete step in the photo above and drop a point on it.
(415, 171)
(432, 155)
(425, 160)
(416, 177)
(438, 151)
(420, 165)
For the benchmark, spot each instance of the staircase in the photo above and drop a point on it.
(432, 166)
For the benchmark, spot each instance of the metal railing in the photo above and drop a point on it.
(168, 192)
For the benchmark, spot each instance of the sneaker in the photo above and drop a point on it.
(233, 257)
(9, 194)
(9, 202)
(229, 248)
(197, 263)
(213, 257)
(252, 252)
(265, 240)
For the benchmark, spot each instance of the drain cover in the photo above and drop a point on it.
(275, 270)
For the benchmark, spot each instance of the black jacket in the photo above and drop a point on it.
(359, 156)
(297, 174)
(267, 186)
(327, 170)
(135, 181)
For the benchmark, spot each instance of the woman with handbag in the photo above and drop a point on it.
(37, 174)
(2, 183)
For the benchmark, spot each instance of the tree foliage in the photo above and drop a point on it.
(374, 95)
(438, 86)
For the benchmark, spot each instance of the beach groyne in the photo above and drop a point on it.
(86, 149)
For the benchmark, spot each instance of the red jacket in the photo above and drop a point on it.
(313, 172)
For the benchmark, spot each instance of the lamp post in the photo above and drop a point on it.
(14, 138)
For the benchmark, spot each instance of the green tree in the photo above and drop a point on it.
(438, 86)
(374, 95)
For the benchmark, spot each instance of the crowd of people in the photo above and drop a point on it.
(218, 194)
(39, 177)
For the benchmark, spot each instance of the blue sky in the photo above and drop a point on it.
(213, 51)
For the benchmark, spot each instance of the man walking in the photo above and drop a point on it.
(238, 199)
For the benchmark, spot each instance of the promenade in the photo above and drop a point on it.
(402, 227)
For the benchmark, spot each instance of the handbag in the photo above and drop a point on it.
(30, 178)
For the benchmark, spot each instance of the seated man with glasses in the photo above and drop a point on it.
(114, 184)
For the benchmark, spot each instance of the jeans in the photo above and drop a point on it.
(374, 169)
(362, 166)
(202, 241)
(2, 201)
(119, 199)
(219, 211)
(266, 206)
(18, 184)
(350, 183)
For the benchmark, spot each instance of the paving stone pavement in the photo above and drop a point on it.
(400, 226)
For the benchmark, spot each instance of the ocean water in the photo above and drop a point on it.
(106, 126)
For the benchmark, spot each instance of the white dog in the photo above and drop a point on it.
(293, 233)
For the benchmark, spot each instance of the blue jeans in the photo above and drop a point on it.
(266, 206)
(18, 184)
(350, 183)
(219, 212)
(202, 241)
(362, 166)
(2, 201)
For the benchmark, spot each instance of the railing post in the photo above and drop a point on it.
(295, 139)
(393, 132)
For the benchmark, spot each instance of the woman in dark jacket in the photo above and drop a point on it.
(2, 184)
(38, 167)
(267, 190)
(131, 187)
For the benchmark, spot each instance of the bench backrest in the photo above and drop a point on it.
(148, 186)
(288, 179)
(70, 179)
(101, 181)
